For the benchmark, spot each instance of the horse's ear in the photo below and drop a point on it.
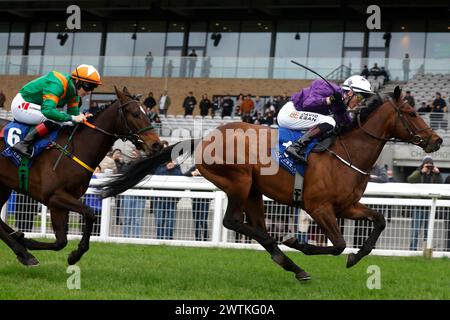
(119, 94)
(126, 92)
(397, 93)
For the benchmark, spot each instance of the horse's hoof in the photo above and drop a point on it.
(351, 260)
(29, 260)
(289, 242)
(73, 258)
(302, 276)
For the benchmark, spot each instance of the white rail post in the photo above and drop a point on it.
(44, 210)
(224, 207)
(428, 252)
(3, 212)
(105, 218)
(217, 219)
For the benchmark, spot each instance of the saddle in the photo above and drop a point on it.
(14, 132)
(285, 138)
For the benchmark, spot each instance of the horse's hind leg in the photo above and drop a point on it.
(22, 254)
(360, 211)
(325, 218)
(254, 210)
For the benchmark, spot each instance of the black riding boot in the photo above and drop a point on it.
(25, 147)
(298, 148)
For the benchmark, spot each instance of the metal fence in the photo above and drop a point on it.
(167, 210)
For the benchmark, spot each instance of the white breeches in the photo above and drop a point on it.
(290, 118)
(29, 113)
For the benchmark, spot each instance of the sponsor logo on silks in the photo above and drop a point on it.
(24, 105)
(304, 116)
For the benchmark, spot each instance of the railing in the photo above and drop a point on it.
(189, 211)
(214, 67)
(340, 73)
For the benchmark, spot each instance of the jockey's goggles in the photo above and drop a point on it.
(88, 86)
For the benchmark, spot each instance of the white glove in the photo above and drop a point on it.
(79, 118)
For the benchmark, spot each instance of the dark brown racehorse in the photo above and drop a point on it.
(332, 189)
(62, 189)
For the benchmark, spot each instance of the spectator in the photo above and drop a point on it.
(405, 63)
(117, 156)
(2, 100)
(205, 105)
(227, 106)
(216, 106)
(378, 174)
(247, 106)
(165, 207)
(375, 70)
(239, 101)
(206, 67)
(408, 97)
(192, 62)
(259, 106)
(94, 201)
(150, 102)
(365, 72)
(385, 74)
(437, 113)
(200, 212)
(164, 103)
(152, 115)
(108, 164)
(424, 108)
(132, 209)
(189, 104)
(303, 221)
(148, 64)
(169, 69)
(426, 173)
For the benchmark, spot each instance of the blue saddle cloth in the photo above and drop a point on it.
(15, 132)
(285, 138)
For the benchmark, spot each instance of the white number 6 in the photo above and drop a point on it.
(14, 136)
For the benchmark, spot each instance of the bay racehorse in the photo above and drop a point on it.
(62, 188)
(332, 187)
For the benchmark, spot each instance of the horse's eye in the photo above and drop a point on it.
(136, 114)
(412, 114)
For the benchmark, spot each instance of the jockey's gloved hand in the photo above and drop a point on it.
(336, 97)
(79, 118)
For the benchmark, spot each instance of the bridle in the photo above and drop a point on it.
(414, 138)
(131, 136)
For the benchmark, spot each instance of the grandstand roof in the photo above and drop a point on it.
(350, 10)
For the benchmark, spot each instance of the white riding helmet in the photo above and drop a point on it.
(358, 84)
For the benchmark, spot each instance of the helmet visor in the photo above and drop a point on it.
(88, 86)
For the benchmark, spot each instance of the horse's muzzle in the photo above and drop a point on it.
(433, 145)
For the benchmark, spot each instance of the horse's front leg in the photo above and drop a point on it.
(358, 212)
(65, 201)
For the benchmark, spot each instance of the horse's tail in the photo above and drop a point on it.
(139, 169)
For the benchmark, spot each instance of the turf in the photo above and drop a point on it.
(119, 271)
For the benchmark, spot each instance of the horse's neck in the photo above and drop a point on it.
(362, 148)
(93, 145)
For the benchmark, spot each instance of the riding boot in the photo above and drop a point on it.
(25, 147)
(298, 148)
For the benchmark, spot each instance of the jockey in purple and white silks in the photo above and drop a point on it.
(311, 108)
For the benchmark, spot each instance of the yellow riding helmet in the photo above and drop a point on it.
(86, 73)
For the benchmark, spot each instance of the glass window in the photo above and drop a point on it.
(175, 35)
(292, 39)
(4, 35)
(376, 39)
(438, 45)
(354, 39)
(197, 36)
(119, 40)
(407, 42)
(222, 40)
(37, 34)
(326, 39)
(255, 39)
(17, 34)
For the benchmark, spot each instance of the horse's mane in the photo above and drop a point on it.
(366, 110)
